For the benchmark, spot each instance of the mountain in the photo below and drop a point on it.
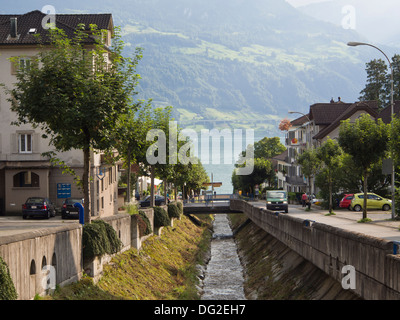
(376, 20)
(230, 63)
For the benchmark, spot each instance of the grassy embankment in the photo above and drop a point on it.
(165, 268)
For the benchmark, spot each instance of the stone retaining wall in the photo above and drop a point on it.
(330, 249)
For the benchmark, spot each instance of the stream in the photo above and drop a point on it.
(223, 278)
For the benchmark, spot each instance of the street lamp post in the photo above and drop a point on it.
(355, 44)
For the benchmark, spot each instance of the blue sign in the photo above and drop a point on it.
(63, 190)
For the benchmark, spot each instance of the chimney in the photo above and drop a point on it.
(14, 28)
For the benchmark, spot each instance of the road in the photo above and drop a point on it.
(11, 225)
(381, 226)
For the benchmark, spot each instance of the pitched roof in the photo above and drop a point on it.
(300, 121)
(386, 113)
(33, 19)
(282, 156)
(347, 113)
(327, 113)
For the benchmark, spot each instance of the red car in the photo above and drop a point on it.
(345, 202)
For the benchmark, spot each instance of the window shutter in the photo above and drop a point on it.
(35, 143)
(14, 66)
(14, 143)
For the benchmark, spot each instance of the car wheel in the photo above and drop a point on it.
(357, 208)
(386, 207)
(24, 216)
(48, 215)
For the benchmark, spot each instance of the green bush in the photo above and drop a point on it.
(144, 224)
(7, 289)
(173, 211)
(99, 238)
(180, 206)
(161, 218)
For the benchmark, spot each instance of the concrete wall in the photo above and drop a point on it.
(331, 248)
(26, 254)
(61, 247)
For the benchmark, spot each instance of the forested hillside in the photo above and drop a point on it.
(230, 59)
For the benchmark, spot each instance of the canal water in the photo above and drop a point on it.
(223, 278)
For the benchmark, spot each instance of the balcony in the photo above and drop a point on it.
(295, 181)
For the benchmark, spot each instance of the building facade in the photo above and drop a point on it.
(24, 170)
(314, 128)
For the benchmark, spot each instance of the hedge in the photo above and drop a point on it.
(99, 238)
(144, 224)
(7, 289)
(173, 211)
(161, 218)
(180, 206)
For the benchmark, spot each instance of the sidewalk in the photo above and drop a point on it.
(381, 226)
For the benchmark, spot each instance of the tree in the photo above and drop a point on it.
(396, 81)
(309, 163)
(131, 138)
(76, 94)
(262, 171)
(376, 82)
(366, 141)
(268, 148)
(329, 153)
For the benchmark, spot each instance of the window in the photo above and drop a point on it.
(25, 143)
(22, 63)
(26, 179)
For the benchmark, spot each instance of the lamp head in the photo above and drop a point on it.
(355, 44)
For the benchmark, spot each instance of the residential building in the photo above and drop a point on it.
(24, 171)
(280, 165)
(314, 128)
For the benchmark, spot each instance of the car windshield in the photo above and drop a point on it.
(276, 194)
(35, 200)
(73, 200)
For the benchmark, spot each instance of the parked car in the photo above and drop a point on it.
(373, 202)
(277, 200)
(38, 207)
(159, 200)
(346, 201)
(68, 210)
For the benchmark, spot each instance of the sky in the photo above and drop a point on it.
(299, 3)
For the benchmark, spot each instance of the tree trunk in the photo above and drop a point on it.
(152, 186)
(128, 178)
(165, 191)
(330, 196)
(86, 186)
(365, 194)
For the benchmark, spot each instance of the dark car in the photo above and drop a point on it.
(159, 200)
(68, 210)
(38, 207)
